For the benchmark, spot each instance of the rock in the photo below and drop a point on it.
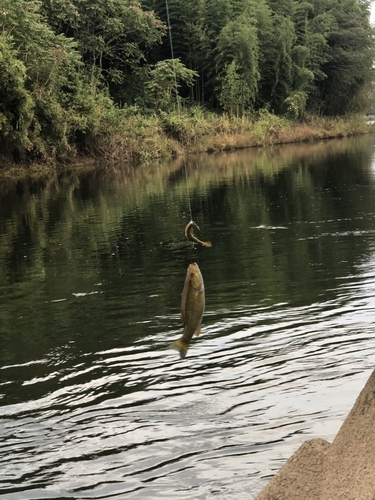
(343, 470)
(350, 467)
(301, 476)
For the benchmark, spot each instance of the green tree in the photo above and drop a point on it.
(238, 53)
(266, 42)
(349, 68)
(185, 23)
(283, 8)
(316, 40)
(47, 105)
(16, 103)
(165, 78)
(234, 92)
(283, 62)
(216, 15)
(113, 37)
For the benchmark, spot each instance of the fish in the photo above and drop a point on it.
(192, 308)
(191, 236)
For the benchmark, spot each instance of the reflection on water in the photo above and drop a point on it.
(93, 405)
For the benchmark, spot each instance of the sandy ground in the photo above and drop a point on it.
(343, 470)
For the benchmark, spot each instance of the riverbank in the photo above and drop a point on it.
(143, 139)
(134, 139)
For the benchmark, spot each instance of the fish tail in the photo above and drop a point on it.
(180, 346)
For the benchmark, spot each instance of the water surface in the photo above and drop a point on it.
(94, 405)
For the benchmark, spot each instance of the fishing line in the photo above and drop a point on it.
(178, 107)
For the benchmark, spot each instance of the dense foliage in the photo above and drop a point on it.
(290, 56)
(72, 70)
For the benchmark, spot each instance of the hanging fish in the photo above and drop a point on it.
(191, 236)
(192, 307)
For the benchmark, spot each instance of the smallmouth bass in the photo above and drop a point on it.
(191, 236)
(192, 307)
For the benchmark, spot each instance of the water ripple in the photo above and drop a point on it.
(124, 421)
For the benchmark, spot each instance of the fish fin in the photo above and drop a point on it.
(198, 330)
(180, 346)
(207, 244)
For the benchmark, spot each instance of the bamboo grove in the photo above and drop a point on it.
(72, 71)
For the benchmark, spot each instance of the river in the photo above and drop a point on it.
(94, 404)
